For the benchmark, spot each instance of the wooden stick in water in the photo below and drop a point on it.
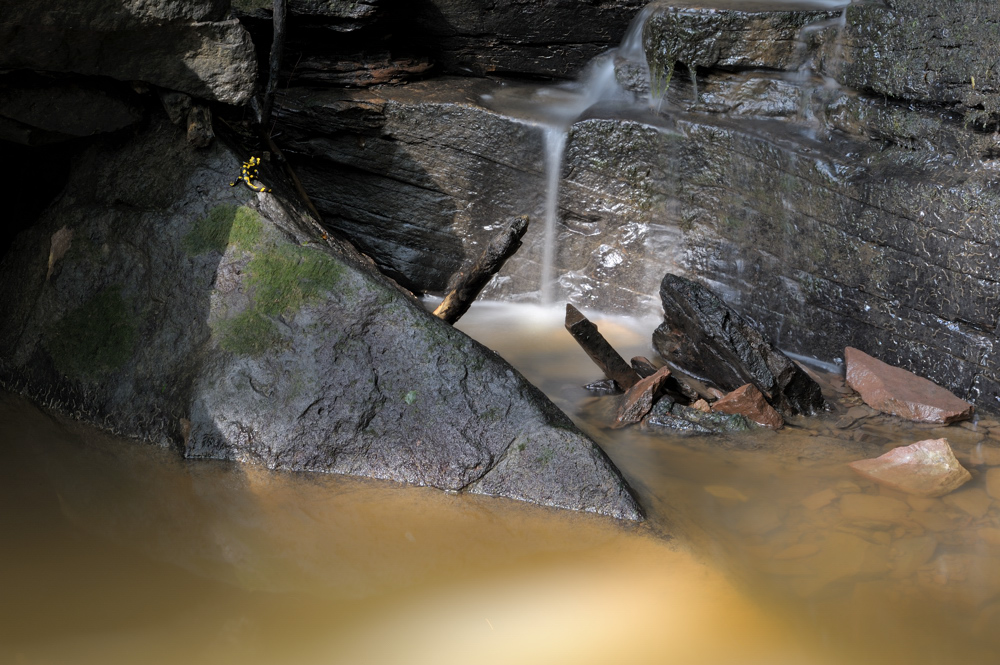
(471, 282)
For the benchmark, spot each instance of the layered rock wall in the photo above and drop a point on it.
(830, 173)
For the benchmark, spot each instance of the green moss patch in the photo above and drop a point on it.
(281, 278)
(249, 333)
(96, 338)
(224, 225)
(286, 276)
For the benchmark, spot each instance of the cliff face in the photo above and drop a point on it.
(829, 172)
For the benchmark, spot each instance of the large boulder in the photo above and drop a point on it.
(189, 45)
(702, 336)
(153, 299)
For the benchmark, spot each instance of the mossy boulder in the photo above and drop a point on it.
(223, 322)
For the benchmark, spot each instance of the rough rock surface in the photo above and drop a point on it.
(670, 415)
(187, 312)
(926, 468)
(639, 398)
(893, 390)
(702, 336)
(728, 39)
(861, 216)
(749, 401)
(926, 52)
(189, 45)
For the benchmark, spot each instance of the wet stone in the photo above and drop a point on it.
(819, 499)
(985, 453)
(640, 397)
(727, 495)
(909, 554)
(669, 414)
(973, 501)
(747, 400)
(703, 336)
(993, 483)
(604, 387)
(643, 366)
(870, 508)
(902, 393)
(926, 468)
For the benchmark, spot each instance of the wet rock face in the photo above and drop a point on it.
(727, 39)
(702, 336)
(418, 177)
(830, 217)
(189, 46)
(157, 301)
(522, 37)
(926, 52)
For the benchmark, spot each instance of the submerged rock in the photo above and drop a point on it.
(926, 468)
(671, 415)
(704, 337)
(219, 320)
(901, 393)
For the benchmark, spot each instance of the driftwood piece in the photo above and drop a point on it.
(471, 282)
(603, 354)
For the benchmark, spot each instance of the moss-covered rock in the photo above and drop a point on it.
(224, 323)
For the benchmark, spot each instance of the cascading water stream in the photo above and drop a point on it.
(554, 109)
(555, 146)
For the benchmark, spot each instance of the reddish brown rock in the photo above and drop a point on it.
(640, 398)
(749, 401)
(893, 390)
(926, 468)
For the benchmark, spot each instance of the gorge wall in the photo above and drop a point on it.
(831, 173)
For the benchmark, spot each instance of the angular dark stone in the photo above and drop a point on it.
(643, 366)
(670, 415)
(604, 387)
(640, 398)
(704, 337)
(603, 354)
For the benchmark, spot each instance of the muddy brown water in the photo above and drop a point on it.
(759, 548)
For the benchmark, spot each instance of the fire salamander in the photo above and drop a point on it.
(249, 173)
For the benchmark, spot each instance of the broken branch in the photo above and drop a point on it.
(470, 283)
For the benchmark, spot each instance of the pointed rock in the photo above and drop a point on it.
(600, 351)
(926, 468)
(901, 393)
(748, 401)
(640, 398)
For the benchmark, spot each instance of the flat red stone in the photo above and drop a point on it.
(925, 468)
(893, 390)
(749, 401)
(640, 398)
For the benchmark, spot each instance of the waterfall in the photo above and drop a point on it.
(554, 109)
(555, 145)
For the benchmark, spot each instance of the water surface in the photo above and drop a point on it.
(116, 552)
